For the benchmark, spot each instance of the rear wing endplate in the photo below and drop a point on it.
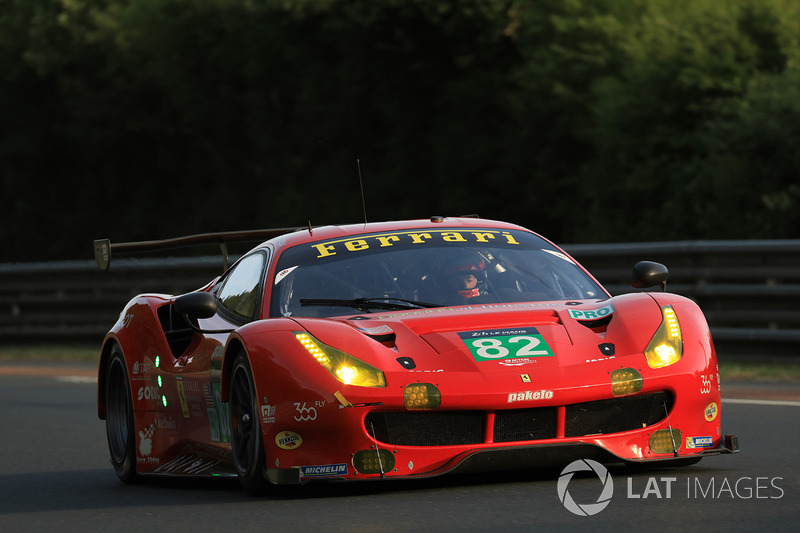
(103, 248)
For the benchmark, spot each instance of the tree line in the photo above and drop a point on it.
(585, 120)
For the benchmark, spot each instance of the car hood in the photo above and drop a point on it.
(496, 337)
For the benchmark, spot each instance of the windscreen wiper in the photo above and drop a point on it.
(365, 304)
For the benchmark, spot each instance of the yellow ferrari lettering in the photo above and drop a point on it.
(419, 238)
(483, 237)
(453, 237)
(324, 249)
(357, 245)
(387, 240)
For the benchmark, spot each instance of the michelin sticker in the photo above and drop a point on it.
(324, 470)
(500, 344)
(699, 442)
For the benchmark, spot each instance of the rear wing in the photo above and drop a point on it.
(103, 248)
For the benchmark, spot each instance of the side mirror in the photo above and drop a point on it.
(649, 274)
(196, 305)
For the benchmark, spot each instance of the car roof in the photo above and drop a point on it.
(434, 223)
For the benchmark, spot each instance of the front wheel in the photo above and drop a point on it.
(246, 440)
(120, 428)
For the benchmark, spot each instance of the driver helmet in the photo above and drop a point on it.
(466, 276)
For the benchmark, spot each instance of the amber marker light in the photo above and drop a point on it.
(342, 366)
(665, 441)
(373, 462)
(666, 346)
(421, 396)
(626, 381)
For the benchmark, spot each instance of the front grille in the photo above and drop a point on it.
(442, 428)
(525, 424)
(616, 414)
(452, 428)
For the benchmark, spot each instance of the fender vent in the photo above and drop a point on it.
(176, 330)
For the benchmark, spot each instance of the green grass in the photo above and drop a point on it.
(729, 370)
(749, 371)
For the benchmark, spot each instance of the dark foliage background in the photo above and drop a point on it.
(586, 120)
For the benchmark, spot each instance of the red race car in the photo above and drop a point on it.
(402, 350)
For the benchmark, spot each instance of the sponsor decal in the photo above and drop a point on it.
(323, 470)
(304, 413)
(283, 273)
(604, 359)
(711, 412)
(559, 255)
(166, 422)
(529, 395)
(526, 378)
(268, 413)
(218, 413)
(182, 398)
(149, 392)
(699, 442)
(145, 447)
(288, 440)
(591, 314)
(126, 320)
(142, 367)
(519, 361)
(413, 237)
(507, 345)
(706, 383)
(447, 310)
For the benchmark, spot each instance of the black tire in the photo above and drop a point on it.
(246, 439)
(120, 428)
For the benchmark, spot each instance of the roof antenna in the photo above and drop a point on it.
(361, 183)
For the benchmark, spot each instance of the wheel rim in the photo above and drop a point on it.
(243, 434)
(117, 410)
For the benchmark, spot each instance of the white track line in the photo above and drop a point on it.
(787, 403)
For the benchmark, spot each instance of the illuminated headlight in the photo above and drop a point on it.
(666, 347)
(342, 366)
(626, 381)
(422, 396)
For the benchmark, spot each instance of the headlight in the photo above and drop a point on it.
(342, 366)
(666, 347)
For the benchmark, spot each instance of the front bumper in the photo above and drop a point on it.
(653, 427)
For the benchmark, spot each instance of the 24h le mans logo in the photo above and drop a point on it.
(587, 509)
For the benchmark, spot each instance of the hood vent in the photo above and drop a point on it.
(382, 333)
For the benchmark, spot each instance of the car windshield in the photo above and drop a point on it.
(412, 269)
